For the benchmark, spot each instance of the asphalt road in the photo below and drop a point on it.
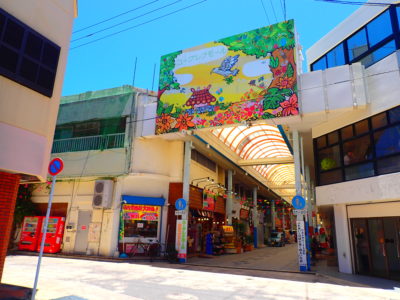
(74, 279)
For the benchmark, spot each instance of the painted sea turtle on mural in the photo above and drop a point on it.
(200, 97)
(225, 69)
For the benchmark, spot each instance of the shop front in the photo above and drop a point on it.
(140, 223)
(376, 239)
(206, 218)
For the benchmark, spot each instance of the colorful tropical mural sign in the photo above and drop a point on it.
(246, 77)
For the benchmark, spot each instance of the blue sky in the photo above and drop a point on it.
(110, 62)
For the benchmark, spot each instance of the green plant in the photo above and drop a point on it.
(24, 206)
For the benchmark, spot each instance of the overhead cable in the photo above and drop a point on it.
(138, 25)
(273, 10)
(114, 17)
(265, 11)
(355, 2)
(126, 21)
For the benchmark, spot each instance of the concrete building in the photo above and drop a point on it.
(34, 43)
(106, 140)
(357, 153)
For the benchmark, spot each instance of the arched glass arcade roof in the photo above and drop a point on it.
(263, 148)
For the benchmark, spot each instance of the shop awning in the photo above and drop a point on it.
(143, 200)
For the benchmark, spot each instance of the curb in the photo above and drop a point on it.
(341, 281)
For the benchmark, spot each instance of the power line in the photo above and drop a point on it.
(132, 27)
(347, 2)
(273, 10)
(283, 10)
(126, 21)
(114, 17)
(265, 11)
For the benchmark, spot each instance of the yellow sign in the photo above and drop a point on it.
(246, 77)
(140, 212)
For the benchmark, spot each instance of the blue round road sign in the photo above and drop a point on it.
(56, 166)
(298, 202)
(180, 204)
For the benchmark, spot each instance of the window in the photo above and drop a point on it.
(370, 147)
(204, 160)
(379, 28)
(90, 128)
(321, 142)
(380, 53)
(359, 171)
(387, 141)
(357, 44)
(379, 121)
(388, 165)
(361, 127)
(347, 132)
(87, 129)
(329, 158)
(335, 57)
(135, 228)
(357, 150)
(319, 64)
(333, 137)
(26, 56)
(394, 115)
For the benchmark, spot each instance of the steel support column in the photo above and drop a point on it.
(229, 199)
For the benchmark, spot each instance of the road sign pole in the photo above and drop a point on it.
(46, 221)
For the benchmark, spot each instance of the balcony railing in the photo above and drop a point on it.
(97, 142)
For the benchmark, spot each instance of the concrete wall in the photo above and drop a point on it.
(79, 194)
(155, 163)
(109, 162)
(382, 86)
(158, 156)
(27, 116)
(377, 188)
(374, 210)
(342, 230)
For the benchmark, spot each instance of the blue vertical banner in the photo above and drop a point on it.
(308, 239)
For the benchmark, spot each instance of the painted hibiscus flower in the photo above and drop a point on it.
(183, 122)
(290, 107)
(285, 82)
(164, 122)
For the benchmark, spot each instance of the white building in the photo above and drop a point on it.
(357, 153)
(34, 43)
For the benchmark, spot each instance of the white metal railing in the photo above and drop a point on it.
(97, 142)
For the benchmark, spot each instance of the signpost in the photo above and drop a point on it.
(55, 167)
(181, 228)
(299, 203)
(180, 204)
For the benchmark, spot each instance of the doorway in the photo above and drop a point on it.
(81, 239)
(377, 246)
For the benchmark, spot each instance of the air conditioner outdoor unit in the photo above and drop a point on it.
(102, 197)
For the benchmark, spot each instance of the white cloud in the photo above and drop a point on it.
(183, 78)
(256, 68)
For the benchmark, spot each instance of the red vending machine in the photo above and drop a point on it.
(30, 233)
(54, 235)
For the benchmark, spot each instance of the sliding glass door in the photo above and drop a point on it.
(377, 246)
